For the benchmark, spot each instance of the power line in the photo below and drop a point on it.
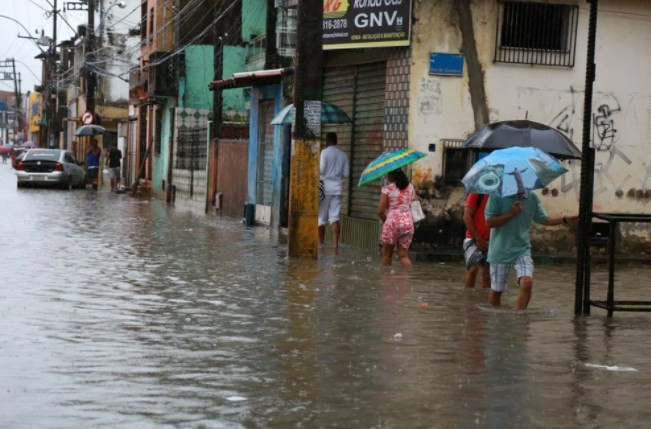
(166, 57)
(28, 69)
(38, 5)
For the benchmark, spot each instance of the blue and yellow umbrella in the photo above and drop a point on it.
(388, 162)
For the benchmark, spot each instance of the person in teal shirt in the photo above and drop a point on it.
(510, 219)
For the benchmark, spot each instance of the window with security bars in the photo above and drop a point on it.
(191, 149)
(456, 161)
(536, 33)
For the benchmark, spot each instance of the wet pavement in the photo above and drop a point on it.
(118, 312)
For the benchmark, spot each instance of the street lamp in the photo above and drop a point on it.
(119, 4)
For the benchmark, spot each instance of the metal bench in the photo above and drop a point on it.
(610, 304)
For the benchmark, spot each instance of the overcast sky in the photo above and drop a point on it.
(32, 14)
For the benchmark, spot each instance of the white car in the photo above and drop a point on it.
(50, 167)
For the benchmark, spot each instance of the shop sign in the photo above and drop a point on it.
(351, 24)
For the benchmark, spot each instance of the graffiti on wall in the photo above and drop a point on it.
(563, 120)
(618, 130)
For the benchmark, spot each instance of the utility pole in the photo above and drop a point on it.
(50, 81)
(304, 180)
(21, 122)
(10, 63)
(90, 80)
(54, 26)
(17, 102)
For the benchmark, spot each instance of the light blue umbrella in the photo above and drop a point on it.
(511, 171)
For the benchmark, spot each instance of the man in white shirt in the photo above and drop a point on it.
(334, 168)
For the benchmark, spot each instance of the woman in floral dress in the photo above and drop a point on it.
(395, 213)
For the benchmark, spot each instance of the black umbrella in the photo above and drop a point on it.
(90, 130)
(500, 135)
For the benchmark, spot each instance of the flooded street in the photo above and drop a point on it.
(118, 312)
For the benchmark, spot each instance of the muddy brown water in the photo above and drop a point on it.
(118, 312)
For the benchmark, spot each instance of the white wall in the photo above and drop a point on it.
(441, 106)
(119, 51)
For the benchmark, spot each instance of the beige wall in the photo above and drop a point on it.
(441, 106)
(163, 40)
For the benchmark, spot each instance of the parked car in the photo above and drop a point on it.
(50, 167)
(19, 154)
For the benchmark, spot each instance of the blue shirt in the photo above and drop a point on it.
(512, 240)
(92, 160)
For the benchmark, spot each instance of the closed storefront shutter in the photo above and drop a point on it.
(368, 136)
(360, 92)
(338, 89)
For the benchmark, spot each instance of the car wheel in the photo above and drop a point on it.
(68, 184)
(20, 185)
(84, 181)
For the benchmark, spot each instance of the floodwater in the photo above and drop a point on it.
(123, 313)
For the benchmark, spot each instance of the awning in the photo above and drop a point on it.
(256, 78)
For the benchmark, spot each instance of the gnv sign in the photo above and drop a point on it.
(366, 23)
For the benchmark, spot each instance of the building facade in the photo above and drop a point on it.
(527, 60)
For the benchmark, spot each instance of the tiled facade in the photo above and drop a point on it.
(191, 186)
(396, 102)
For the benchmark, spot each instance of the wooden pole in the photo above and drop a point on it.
(304, 176)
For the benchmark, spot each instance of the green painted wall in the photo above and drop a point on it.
(161, 161)
(254, 19)
(234, 100)
(199, 72)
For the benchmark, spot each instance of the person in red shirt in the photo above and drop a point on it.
(475, 245)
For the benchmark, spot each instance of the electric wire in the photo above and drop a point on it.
(187, 12)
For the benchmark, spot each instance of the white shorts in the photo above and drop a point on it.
(329, 209)
(500, 272)
(114, 173)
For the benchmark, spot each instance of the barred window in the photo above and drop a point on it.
(536, 33)
(456, 161)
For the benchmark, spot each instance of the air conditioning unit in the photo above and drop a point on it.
(286, 42)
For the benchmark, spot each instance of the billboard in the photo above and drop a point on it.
(351, 24)
(34, 111)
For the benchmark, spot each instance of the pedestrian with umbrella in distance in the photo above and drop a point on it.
(509, 176)
(94, 151)
(92, 162)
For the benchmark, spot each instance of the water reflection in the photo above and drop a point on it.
(118, 312)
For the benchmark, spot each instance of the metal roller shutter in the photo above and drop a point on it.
(368, 136)
(339, 89)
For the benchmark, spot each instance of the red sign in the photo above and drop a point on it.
(87, 118)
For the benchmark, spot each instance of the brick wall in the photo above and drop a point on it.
(396, 102)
